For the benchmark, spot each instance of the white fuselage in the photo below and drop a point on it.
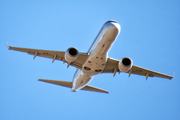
(98, 55)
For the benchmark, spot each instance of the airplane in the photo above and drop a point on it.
(94, 62)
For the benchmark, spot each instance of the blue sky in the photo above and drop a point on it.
(150, 36)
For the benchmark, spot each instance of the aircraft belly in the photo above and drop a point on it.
(94, 64)
(106, 41)
(106, 36)
(98, 57)
(80, 80)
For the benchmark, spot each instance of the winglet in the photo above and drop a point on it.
(7, 45)
(173, 75)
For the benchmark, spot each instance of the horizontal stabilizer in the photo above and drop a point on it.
(90, 88)
(61, 83)
(69, 85)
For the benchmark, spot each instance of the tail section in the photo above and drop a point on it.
(69, 85)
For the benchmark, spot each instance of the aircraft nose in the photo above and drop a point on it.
(113, 24)
(111, 21)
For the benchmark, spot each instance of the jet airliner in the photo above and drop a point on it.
(94, 62)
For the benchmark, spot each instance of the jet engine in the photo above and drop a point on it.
(71, 54)
(125, 64)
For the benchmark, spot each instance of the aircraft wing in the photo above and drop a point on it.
(112, 67)
(55, 55)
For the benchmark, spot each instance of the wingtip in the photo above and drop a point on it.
(7, 45)
(173, 76)
(40, 79)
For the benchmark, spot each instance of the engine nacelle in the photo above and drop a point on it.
(71, 54)
(125, 64)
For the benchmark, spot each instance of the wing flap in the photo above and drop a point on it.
(111, 65)
(69, 85)
(148, 73)
(41, 53)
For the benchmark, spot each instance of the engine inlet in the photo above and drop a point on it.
(126, 61)
(73, 51)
